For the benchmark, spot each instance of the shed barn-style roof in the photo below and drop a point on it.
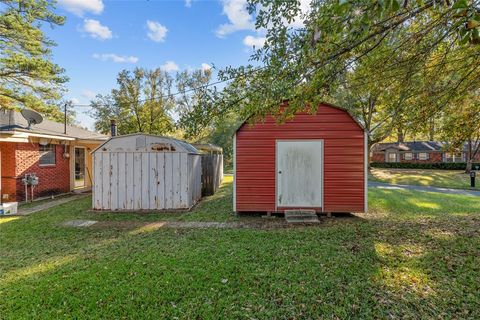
(208, 148)
(142, 142)
(323, 103)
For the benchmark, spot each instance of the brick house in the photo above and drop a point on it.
(418, 152)
(62, 161)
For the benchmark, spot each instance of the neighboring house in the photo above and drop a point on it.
(418, 152)
(62, 161)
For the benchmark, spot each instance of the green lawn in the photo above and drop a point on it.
(415, 255)
(436, 178)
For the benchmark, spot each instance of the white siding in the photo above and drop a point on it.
(122, 181)
(129, 173)
(145, 180)
(168, 181)
(135, 173)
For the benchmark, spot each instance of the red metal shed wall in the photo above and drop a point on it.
(344, 157)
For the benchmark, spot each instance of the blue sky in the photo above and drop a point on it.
(101, 38)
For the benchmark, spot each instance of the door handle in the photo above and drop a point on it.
(280, 172)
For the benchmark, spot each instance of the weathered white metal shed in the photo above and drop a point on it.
(145, 172)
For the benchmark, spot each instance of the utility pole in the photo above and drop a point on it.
(65, 118)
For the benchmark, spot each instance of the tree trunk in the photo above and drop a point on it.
(400, 134)
(469, 157)
(431, 130)
(469, 166)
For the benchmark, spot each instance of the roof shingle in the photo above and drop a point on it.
(11, 120)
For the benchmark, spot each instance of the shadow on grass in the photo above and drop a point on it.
(406, 204)
(404, 260)
(192, 273)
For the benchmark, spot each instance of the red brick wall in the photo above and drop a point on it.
(9, 187)
(19, 159)
(434, 157)
(377, 157)
(53, 179)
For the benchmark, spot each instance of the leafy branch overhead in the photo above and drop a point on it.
(27, 75)
(392, 63)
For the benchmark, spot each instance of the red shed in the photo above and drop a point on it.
(314, 161)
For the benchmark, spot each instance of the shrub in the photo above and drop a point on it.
(412, 165)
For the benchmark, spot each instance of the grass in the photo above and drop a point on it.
(31, 204)
(436, 178)
(415, 255)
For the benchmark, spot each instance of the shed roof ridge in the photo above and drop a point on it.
(320, 104)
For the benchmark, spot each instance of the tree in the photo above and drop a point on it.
(194, 104)
(142, 103)
(378, 105)
(461, 124)
(308, 65)
(27, 76)
(221, 135)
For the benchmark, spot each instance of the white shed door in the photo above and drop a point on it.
(299, 173)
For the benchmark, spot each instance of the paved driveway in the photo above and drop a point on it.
(381, 185)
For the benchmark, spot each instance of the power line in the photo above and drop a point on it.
(179, 92)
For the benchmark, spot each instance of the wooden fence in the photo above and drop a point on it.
(212, 173)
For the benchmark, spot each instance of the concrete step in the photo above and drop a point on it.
(301, 216)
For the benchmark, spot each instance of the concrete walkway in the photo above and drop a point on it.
(387, 186)
(139, 226)
(48, 204)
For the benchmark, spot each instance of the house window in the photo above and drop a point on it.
(423, 156)
(458, 157)
(392, 157)
(47, 155)
(408, 156)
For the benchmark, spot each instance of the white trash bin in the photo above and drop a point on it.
(8, 208)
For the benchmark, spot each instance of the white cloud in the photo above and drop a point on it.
(96, 30)
(169, 66)
(115, 58)
(79, 7)
(75, 101)
(305, 7)
(206, 66)
(88, 94)
(188, 3)
(251, 41)
(238, 16)
(157, 32)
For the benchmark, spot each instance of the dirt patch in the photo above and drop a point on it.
(126, 225)
(258, 224)
(247, 223)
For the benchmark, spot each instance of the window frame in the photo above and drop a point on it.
(427, 156)
(395, 157)
(411, 156)
(52, 148)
